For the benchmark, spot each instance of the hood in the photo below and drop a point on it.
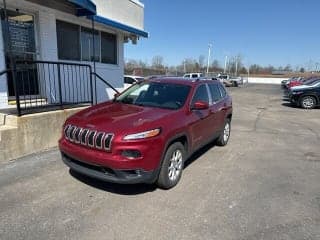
(117, 117)
(301, 87)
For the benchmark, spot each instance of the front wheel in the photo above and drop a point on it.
(308, 102)
(172, 166)
(225, 134)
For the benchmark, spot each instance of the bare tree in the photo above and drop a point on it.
(201, 61)
(157, 62)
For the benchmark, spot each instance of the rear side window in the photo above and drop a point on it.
(222, 90)
(128, 80)
(215, 92)
(201, 94)
(194, 75)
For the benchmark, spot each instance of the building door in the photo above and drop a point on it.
(23, 47)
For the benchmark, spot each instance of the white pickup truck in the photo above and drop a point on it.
(193, 75)
(230, 81)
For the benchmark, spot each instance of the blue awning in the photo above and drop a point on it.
(84, 7)
(114, 24)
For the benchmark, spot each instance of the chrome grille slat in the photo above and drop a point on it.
(77, 135)
(91, 137)
(73, 137)
(99, 139)
(107, 141)
(66, 128)
(70, 135)
(84, 136)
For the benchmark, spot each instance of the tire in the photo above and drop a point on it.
(225, 134)
(235, 84)
(308, 102)
(172, 166)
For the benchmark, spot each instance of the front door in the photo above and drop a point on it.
(21, 37)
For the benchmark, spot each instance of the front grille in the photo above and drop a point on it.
(90, 138)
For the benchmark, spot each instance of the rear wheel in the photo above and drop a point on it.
(225, 134)
(172, 166)
(308, 102)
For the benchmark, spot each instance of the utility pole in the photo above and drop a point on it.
(209, 53)
(225, 64)
(236, 73)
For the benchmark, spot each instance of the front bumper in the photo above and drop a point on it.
(103, 173)
(294, 99)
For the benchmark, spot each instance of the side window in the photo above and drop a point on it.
(215, 92)
(222, 90)
(194, 76)
(128, 80)
(201, 94)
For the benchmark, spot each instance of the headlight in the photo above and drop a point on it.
(143, 135)
(295, 93)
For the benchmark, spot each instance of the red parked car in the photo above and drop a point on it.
(147, 132)
(301, 81)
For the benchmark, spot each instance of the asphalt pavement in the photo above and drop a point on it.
(265, 184)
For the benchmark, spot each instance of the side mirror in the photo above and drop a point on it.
(200, 105)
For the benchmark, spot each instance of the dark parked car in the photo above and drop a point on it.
(307, 96)
(146, 133)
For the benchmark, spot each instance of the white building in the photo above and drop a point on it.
(62, 30)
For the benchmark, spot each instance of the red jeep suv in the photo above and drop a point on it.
(146, 133)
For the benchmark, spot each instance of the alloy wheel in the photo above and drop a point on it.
(308, 102)
(175, 165)
(226, 132)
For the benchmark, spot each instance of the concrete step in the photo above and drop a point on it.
(8, 120)
(29, 102)
(2, 119)
(31, 133)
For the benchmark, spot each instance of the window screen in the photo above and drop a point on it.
(68, 41)
(87, 45)
(108, 48)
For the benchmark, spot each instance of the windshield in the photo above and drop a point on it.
(155, 94)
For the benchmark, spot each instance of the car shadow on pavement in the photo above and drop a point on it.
(199, 153)
(122, 189)
(288, 104)
(133, 189)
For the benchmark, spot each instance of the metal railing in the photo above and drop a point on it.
(48, 85)
(40, 85)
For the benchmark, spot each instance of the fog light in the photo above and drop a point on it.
(131, 153)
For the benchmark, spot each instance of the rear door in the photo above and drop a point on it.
(217, 108)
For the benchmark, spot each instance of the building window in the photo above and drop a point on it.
(75, 43)
(68, 41)
(108, 48)
(87, 46)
